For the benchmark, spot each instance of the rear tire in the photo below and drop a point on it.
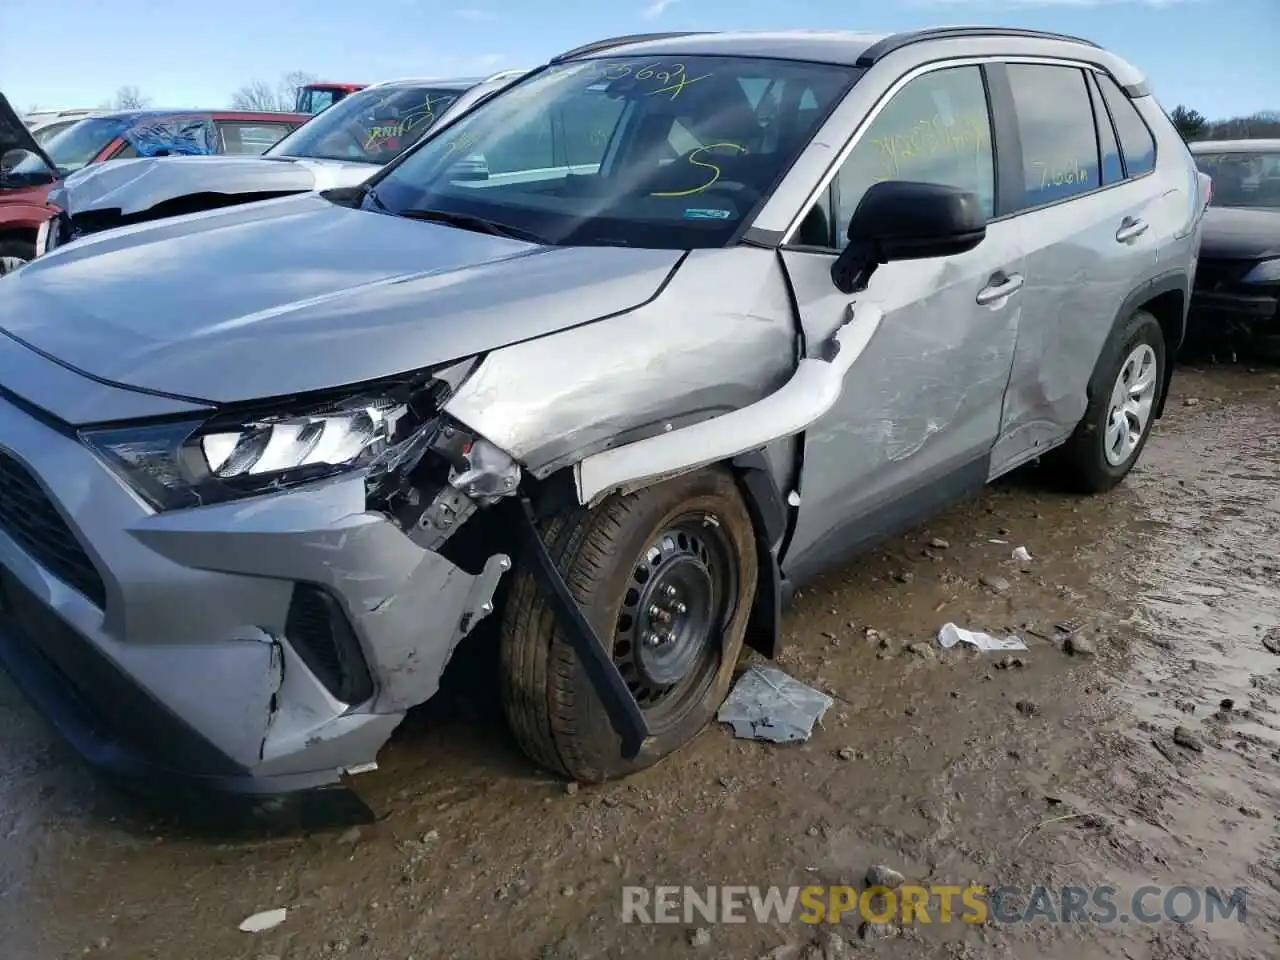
(681, 555)
(14, 253)
(1117, 423)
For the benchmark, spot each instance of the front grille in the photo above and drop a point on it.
(30, 518)
(1218, 274)
(319, 631)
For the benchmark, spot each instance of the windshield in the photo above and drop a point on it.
(48, 131)
(649, 152)
(373, 126)
(73, 147)
(1243, 179)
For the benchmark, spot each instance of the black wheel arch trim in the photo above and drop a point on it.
(772, 521)
(1175, 281)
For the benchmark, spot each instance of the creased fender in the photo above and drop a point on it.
(812, 390)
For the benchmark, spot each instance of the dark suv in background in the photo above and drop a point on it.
(1236, 305)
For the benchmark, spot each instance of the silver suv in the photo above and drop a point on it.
(716, 312)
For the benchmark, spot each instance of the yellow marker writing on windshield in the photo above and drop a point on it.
(715, 171)
(671, 78)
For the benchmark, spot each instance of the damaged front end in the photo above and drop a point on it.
(103, 196)
(265, 644)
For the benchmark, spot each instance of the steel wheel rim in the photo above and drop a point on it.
(681, 594)
(1132, 399)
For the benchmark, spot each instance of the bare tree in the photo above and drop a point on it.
(130, 98)
(261, 95)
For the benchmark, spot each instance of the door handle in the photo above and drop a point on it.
(998, 288)
(1131, 228)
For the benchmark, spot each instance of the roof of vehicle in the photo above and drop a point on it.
(446, 83)
(217, 114)
(41, 123)
(851, 49)
(1242, 145)
(59, 114)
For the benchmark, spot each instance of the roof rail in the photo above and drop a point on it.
(602, 45)
(512, 72)
(882, 48)
(411, 79)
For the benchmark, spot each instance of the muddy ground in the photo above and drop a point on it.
(926, 762)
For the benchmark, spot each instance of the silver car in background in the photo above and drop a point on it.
(717, 312)
(341, 147)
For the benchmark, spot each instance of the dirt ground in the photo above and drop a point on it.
(941, 764)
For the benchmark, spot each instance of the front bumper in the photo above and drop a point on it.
(170, 649)
(1226, 312)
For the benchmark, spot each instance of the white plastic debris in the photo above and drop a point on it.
(766, 704)
(264, 920)
(1022, 556)
(950, 635)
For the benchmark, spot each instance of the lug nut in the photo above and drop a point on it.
(650, 639)
(681, 609)
(669, 590)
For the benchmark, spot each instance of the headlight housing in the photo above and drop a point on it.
(1268, 271)
(188, 463)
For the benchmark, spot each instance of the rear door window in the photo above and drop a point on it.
(1112, 165)
(1059, 140)
(1136, 141)
(250, 138)
(173, 136)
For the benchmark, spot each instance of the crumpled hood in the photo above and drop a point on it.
(298, 294)
(1240, 233)
(135, 186)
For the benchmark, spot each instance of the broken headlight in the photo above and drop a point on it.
(186, 464)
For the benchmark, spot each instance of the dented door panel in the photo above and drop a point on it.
(1077, 278)
(922, 401)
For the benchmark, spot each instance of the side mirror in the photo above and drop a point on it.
(903, 220)
(18, 155)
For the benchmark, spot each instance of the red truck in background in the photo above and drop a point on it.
(315, 97)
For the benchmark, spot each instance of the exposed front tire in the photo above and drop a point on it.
(666, 577)
(14, 253)
(1117, 423)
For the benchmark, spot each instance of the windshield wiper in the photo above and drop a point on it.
(467, 221)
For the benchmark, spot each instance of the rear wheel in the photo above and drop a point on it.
(14, 253)
(666, 577)
(1117, 423)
